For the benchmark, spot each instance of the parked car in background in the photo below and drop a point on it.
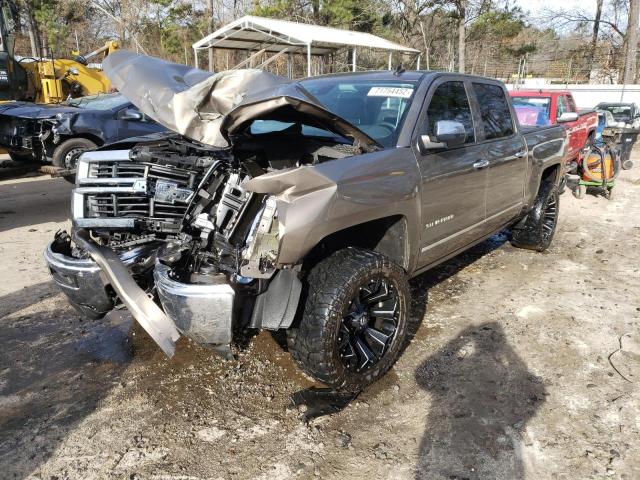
(605, 120)
(626, 113)
(332, 192)
(546, 107)
(58, 134)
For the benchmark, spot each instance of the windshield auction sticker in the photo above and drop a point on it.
(394, 92)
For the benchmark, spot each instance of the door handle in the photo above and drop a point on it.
(521, 154)
(481, 164)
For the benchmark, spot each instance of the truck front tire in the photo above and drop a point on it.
(540, 224)
(355, 317)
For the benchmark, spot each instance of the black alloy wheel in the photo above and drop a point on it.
(549, 218)
(369, 325)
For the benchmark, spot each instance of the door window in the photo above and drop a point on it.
(561, 107)
(450, 102)
(497, 121)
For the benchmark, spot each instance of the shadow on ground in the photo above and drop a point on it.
(482, 394)
(54, 371)
(482, 398)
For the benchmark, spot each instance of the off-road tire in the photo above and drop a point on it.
(537, 233)
(72, 146)
(332, 284)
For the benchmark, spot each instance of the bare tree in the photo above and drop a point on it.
(461, 7)
(631, 43)
(596, 27)
(210, 25)
(32, 29)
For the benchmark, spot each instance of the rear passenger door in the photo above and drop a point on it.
(453, 179)
(505, 150)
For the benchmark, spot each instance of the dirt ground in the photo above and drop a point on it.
(525, 365)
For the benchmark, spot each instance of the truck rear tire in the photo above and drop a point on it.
(540, 223)
(66, 154)
(354, 324)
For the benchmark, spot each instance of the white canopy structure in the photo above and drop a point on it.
(258, 36)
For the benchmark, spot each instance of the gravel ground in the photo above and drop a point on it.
(524, 365)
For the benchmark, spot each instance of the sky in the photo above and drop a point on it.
(536, 6)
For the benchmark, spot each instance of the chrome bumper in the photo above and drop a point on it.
(203, 313)
(81, 281)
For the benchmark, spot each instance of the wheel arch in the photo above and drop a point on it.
(550, 174)
(386, 235)
(87, 136)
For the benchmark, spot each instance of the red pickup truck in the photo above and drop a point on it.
(545, 107)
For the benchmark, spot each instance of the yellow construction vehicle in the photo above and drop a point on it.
(55, 80)
(46, 80)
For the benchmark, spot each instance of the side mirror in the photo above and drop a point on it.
(448, 133)
(567, 117)
(130, 114)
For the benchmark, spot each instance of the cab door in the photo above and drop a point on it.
(453, 180)
(505, 150)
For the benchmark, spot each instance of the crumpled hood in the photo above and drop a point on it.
(210, 108)
(186, 100)
(33, 110)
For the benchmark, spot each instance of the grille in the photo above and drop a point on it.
(112, 188)
(116, 170)
(131, 205)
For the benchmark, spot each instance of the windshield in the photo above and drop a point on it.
(619, 112)
(533, 111)
(377, 107)
(269, 126)
(104, 101)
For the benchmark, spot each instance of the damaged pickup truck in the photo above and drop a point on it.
(299, 205)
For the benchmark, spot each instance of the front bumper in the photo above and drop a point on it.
(81, 280)
(203, 313)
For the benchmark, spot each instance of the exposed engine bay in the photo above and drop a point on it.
(192, 200)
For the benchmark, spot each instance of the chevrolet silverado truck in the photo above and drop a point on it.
(331, 192)
(551, 107)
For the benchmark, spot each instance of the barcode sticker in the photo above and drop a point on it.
(394, 92)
